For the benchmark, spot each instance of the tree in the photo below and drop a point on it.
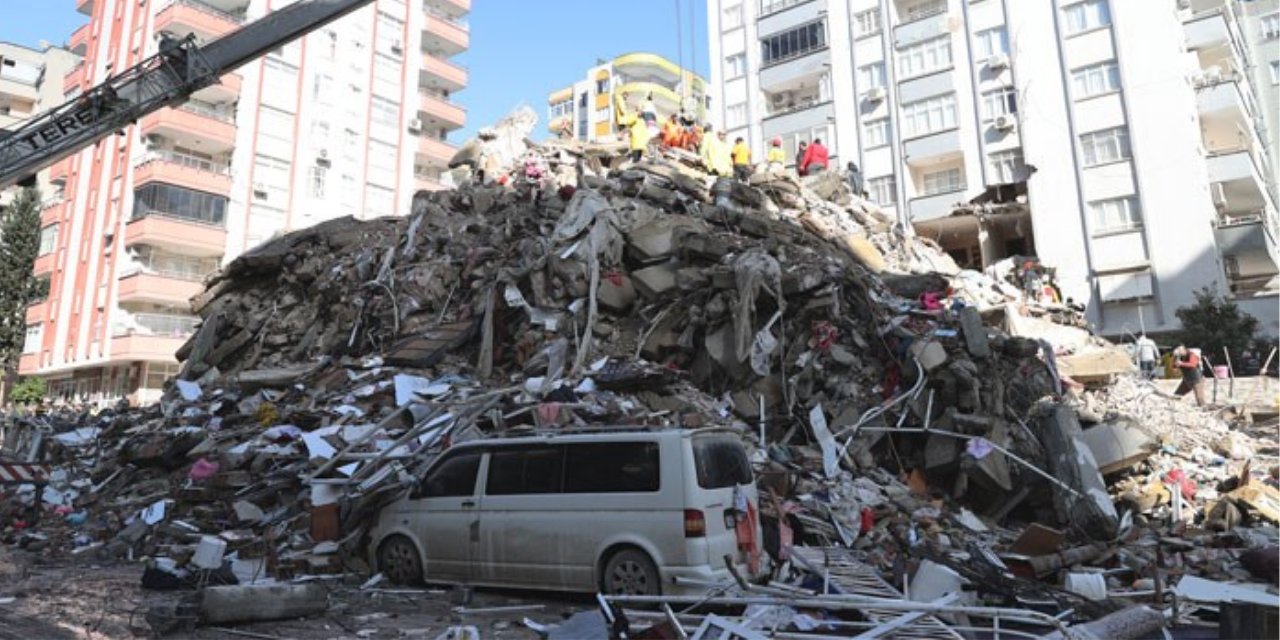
(29, 390)
(20, 239)
(1214, 322)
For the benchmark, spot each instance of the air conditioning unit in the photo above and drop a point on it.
(1184, 4)
(998, 61)
(260, 187)
(397, 47)
(322, 154)
(415, 125)
(1006, 123)
(875, 94)
(778, 100)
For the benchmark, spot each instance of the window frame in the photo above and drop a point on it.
(955, 181)
(1106, 73)
(889, 184)
(860, 23)
(868, 80)
(883, 125)
(929, 56)
(796, 42)
(420, 489)
(1004, 97)
(1093, 141)
(1013, 159)
(946, 103)
(1103, 17)
(983, 40)
(1131, 214)
(735, 66)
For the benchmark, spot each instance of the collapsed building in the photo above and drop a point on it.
(912, 422)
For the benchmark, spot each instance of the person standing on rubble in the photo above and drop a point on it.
(776, 157)
(636, 130)
(741, 160)
(853, 175)
(1147, 353)
(815, 158)
(800, 152)
(715, 153)
(1188, 360)
(671, 132)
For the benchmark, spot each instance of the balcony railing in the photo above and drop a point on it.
(191, 162)
(218, 222)
(159, 324)
(923, 11)
(461, 23)
(208, 111)
(773, 6)
(237, 18)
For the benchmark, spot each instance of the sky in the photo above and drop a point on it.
(521, 50)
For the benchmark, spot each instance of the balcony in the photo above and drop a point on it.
(226, 91)
(436, 153)
(78, 43)
(438, 113)
(932, 207)
(52, 211)
(158, 288)
(59, 171)
(193, 125)
(933, 147)
(28, 363)
(177, 234)
(444, 35)
(804, 116)
(75, 79)
(451, 8)
(44, 264)
(438, 73)
(1237, 184)
(781, 75)
(140, 347)
(85, 7)
(37, 312)
(184, 171)
(929, 21)
(191, 16)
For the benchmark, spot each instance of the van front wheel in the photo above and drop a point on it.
(398, 560)
(630, 573)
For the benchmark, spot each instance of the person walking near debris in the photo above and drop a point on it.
(1148, 353)
(715, 153)
(815, 158)
(776, 158)
(636, 130)
(800, 153)
(741, 159)
(853, 176)
(1188, 360)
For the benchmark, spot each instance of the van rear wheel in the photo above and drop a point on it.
(398, 559)
(630, 573)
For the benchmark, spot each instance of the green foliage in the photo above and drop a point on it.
(1214, 322)
(29, 390)
(20, 237)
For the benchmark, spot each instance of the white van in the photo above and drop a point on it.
(624, 512)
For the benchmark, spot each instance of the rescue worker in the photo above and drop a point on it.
(815, 158)
(715, 153)
(1188, 360)
(636, 130)
(1147, 353)
(672, 132)
(776, 157)
(741, 160)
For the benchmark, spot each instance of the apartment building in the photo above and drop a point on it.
(1120, 142)
(30, 83)
(350, 120)
(584, 110)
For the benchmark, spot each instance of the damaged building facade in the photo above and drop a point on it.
(350, 120)
(585, 108)
(1138, 197)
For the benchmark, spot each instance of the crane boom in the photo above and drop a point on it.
(168, 78)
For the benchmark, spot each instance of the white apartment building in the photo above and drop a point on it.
(1120, 142)
(31, 83)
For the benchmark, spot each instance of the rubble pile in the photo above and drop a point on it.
(902, 413)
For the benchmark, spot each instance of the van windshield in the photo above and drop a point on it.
(721, 461)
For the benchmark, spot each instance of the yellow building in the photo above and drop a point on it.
(586, 106)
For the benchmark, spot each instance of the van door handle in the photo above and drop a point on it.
(466, 504)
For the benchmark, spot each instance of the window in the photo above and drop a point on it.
(322, 88)
(390, 35)
(157, 374)
(1115, 214)
(925, 57)
(168, 200)
(720, 462)
(48, 239)
(929, 115)
(611, 467)
(793, 43)
(1096, 79)
(735, 115)
(34, 338)
(871, 76)
(452, 477)
(1275, 71)
(992, 42)
(735, 66)
(883, 191)
(999, 103)
(1008, 167)
(875, 133)
(602, 85)
(316, 180)
(1086, 15)
(384, 111)
(1108, 145)
(731, 17)
(866, 23)
(944, 181)
(1271, 26)
(271, 179)
(525, 471)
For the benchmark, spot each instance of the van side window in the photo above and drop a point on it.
(455, 476)
(721, 461)
(525, 471)
(611, 467)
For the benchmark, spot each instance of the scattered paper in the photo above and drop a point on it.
(317, 446)
(189, 390)
(155, 512)
(409, 387)
(830, 461)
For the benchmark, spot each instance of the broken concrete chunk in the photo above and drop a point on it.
(616, 293)
(656, 281)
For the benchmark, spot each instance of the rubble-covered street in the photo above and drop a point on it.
(935, 455)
